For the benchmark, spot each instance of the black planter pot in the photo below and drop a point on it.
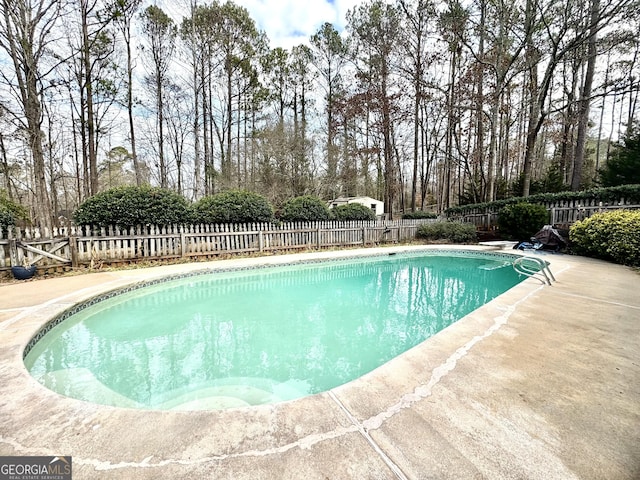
(23, 273)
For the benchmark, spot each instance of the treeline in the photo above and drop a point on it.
(417, 102)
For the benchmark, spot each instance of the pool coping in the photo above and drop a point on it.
(344, 432)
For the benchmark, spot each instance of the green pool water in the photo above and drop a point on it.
(260, 336)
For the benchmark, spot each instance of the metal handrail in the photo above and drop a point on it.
(543, 270)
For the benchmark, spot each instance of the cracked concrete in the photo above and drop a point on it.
(543, 382)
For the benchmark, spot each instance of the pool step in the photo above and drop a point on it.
(231, 393)
(494, 266)
(220, 394)
(219, 397)
(82, 384)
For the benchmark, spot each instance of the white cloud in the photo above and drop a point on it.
(291, 22)
(286, 22)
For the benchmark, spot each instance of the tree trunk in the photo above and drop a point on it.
(160, 107)
(389, 169)
(5, 168)
(332, 167)
(479, 151)
(90, 118)
(206, 120)
(601, 123)
(226, 150)
(450, 134)
(535, 121)
(132, 132)
(568, 131)
(585, 98)
(197, 180)
(34, 116)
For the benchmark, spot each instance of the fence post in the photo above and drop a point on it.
(261, 240)
(13, 252)
(183, 243)
(73, 251)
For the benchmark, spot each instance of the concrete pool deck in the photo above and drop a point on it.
(541, 383)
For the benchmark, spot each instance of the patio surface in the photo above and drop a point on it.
(541, 383)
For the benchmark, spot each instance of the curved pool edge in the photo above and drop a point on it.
(244, 265)
(333, 425)
(38, 320)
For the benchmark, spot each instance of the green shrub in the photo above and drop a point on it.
(6, 218)
(131, 206)
(353, 211)
(10, 212)
(234, 206)
(418, 215)
(613, 236)
(522, 220)
(305, 209)
(454, 232)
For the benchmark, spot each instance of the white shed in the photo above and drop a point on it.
(376, 205)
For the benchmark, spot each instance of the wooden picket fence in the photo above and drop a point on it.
(75, 246)
(562, 213)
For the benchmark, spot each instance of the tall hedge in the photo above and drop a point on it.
(609, 194)
(419, 215)
(522, 220)
(130, 206)
(234, 206)
(352, 211)
(306, 208)
(453, 232)
(613, 236)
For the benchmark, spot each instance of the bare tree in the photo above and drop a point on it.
(418, 16)
(453, 24)
(26, 32)
(91, 57)
(329, 52)
(376, 28)
(160, 33)
(302, 78)
(585, 97)
(198, 36)
(123, 11)
(237, 39)
(552, 33)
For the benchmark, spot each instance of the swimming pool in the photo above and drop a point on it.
(247, 337)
